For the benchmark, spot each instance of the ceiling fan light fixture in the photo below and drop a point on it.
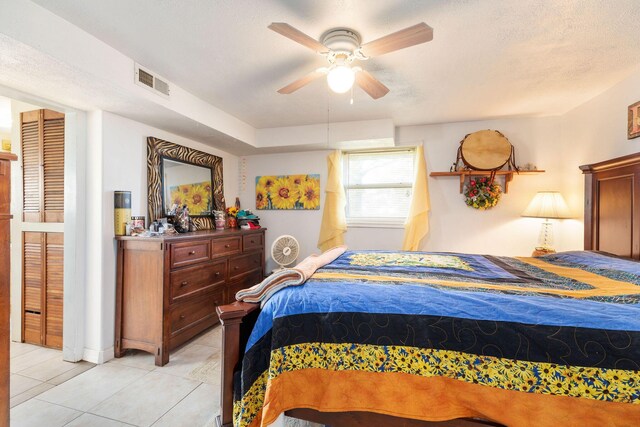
(341, 78)
(341, 46)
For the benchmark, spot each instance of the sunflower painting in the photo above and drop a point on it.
(288, 192)
(197, 197)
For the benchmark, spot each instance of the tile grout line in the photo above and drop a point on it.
(56, 404)
(87, 411)
(64, 373)
(29, 389)
(177, 403)
(117, 391)
(101, 416)
(47, 380)
(34, 365)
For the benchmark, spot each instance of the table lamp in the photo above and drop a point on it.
(548, 205)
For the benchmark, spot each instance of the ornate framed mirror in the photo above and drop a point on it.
(181, 175)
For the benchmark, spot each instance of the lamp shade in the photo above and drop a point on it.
(547, 204)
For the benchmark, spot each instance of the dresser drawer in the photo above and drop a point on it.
(252, 241)
(248, 281)
(226, 246)
(243, 264)
(187, 253)
(189, 314)
(189, 281)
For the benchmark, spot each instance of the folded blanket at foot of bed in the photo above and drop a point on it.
(289, 276)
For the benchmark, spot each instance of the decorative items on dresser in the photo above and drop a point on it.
(167, 288)
(5, 217)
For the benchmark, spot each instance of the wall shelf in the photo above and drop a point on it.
(508, 175)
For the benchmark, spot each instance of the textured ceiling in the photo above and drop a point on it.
(488, 58)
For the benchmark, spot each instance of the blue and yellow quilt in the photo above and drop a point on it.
(542, 341)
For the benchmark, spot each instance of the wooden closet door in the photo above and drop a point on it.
(31, 141)
(42, 141)
(54, 267)
(32, 287)
(43, 261)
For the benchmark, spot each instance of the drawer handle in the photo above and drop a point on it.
(255, 261)
(183, 284)
(192, 252)
(182, 316)
(227, 246)
(217, 274)
(252, 241)
(216, 303)
(236, 267)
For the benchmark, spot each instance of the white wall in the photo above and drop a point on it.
(593, 132)
(500, 230)
(117, 160)
(304, 225)
(454, 226)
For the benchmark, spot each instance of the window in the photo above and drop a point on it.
(378, 186)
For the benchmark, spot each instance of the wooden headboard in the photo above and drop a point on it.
(612, 206)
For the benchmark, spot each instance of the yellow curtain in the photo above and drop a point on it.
(334, 221)
(417, 224)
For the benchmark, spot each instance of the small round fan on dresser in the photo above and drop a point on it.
(284, 250)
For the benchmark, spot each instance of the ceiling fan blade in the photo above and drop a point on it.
(371, 85)
(298, 36)
(419, 33)
(292, 87)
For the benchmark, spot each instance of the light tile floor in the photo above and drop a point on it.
(130, 391)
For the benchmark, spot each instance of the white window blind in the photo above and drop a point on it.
(378, 185)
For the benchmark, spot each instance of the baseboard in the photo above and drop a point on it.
(98, 356)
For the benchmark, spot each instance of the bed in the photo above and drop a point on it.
(426, 339)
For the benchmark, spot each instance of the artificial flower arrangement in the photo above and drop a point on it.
(232, 211)
(482, 194)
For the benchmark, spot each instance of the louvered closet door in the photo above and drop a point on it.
(31, 166)
(43, 255)
(43, 166)
(33, 287)
(53, 166)
(54, 256)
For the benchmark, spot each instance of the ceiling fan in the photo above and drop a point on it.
(343, 46)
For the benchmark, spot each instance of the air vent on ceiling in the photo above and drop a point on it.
(151, 81)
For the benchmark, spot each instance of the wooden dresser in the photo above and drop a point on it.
(5, 217)
(167, 288)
